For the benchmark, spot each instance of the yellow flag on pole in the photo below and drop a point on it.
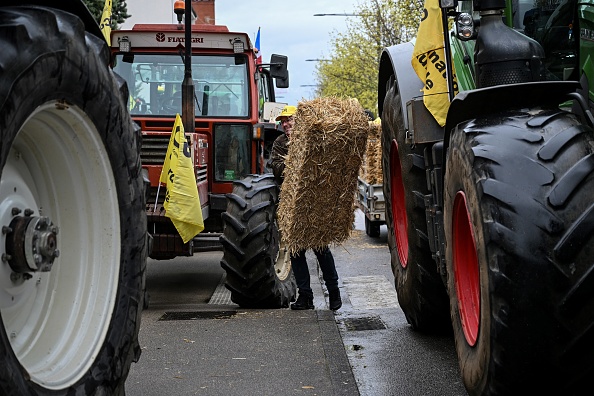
(105, 24)
(182, 203)
(428, 61)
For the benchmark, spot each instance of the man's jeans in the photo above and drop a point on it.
(326, 261)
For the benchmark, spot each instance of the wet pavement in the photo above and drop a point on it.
(386, 356)
(191, 347)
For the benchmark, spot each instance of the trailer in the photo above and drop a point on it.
(370, 199)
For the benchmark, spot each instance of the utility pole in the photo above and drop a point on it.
(188, 117)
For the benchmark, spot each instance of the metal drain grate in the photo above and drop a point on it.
(197, 315)
(221, 295)
(365, 323)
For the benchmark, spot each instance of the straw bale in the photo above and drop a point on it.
(371, 168)
(325, 152)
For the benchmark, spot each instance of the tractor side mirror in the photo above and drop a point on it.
(278, 67)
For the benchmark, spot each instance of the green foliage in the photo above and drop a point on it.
(119, 11)
(352, 67)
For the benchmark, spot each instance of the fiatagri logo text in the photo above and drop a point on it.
(161, 37)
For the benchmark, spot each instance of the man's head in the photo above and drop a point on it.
(286, 119)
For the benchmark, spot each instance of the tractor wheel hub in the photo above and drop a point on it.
(31, 243)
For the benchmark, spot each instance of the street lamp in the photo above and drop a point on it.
(343, 14)
(317, 60)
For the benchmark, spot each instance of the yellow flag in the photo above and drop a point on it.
(105, 24)
(428, 61)
(182, 203)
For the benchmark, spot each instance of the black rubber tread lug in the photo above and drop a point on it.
(258, 190)
(573, 240)
(263, 176)
(526, 164)
(232, 271)
(418, 161)
(544, 118)
(254, 233)
(571, 180)
(419, 201)
(229, 246)
(237, 200)
(549, 150)
(255, 209)
(517, 199)
(234, 223)
(243, 182)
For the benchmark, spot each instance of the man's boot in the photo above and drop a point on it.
(335, 300)
(303, 302)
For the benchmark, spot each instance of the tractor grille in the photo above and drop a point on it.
(153, 195)
(201, 175)
(154, 149)
(504, 73)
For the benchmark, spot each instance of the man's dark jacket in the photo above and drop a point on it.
(280, 149)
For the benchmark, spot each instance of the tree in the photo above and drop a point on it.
(119, 11)
(352, 68)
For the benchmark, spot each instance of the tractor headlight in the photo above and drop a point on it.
(124, 44)
(465, 27)
(237, 46)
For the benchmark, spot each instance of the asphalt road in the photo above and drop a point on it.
(196, 342)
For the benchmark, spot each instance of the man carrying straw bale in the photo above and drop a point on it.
(317, 161)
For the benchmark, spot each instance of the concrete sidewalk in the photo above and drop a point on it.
(210, 346)
(221, 350)
(218, 348)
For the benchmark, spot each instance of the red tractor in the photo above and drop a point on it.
(233, 114)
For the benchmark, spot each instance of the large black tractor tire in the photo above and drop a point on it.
(69, 158)
(421, 291)
(259, 273)
(519, 203)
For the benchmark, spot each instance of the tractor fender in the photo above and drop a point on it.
(479, 102)
(76, 7)
(396, 61)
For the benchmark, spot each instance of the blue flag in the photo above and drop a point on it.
(257, 48)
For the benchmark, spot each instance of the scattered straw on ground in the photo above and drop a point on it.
(317, 196)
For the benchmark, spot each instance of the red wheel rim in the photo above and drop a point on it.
(466, 270)
(399, 220)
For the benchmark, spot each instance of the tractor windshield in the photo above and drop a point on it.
(155, 83)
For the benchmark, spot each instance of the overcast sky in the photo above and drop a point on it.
(287, 28)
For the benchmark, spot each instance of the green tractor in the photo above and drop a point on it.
(490, 212)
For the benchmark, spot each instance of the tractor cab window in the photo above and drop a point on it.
(232, 151)
(553, 23)
(265, 90)
(155, 84)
